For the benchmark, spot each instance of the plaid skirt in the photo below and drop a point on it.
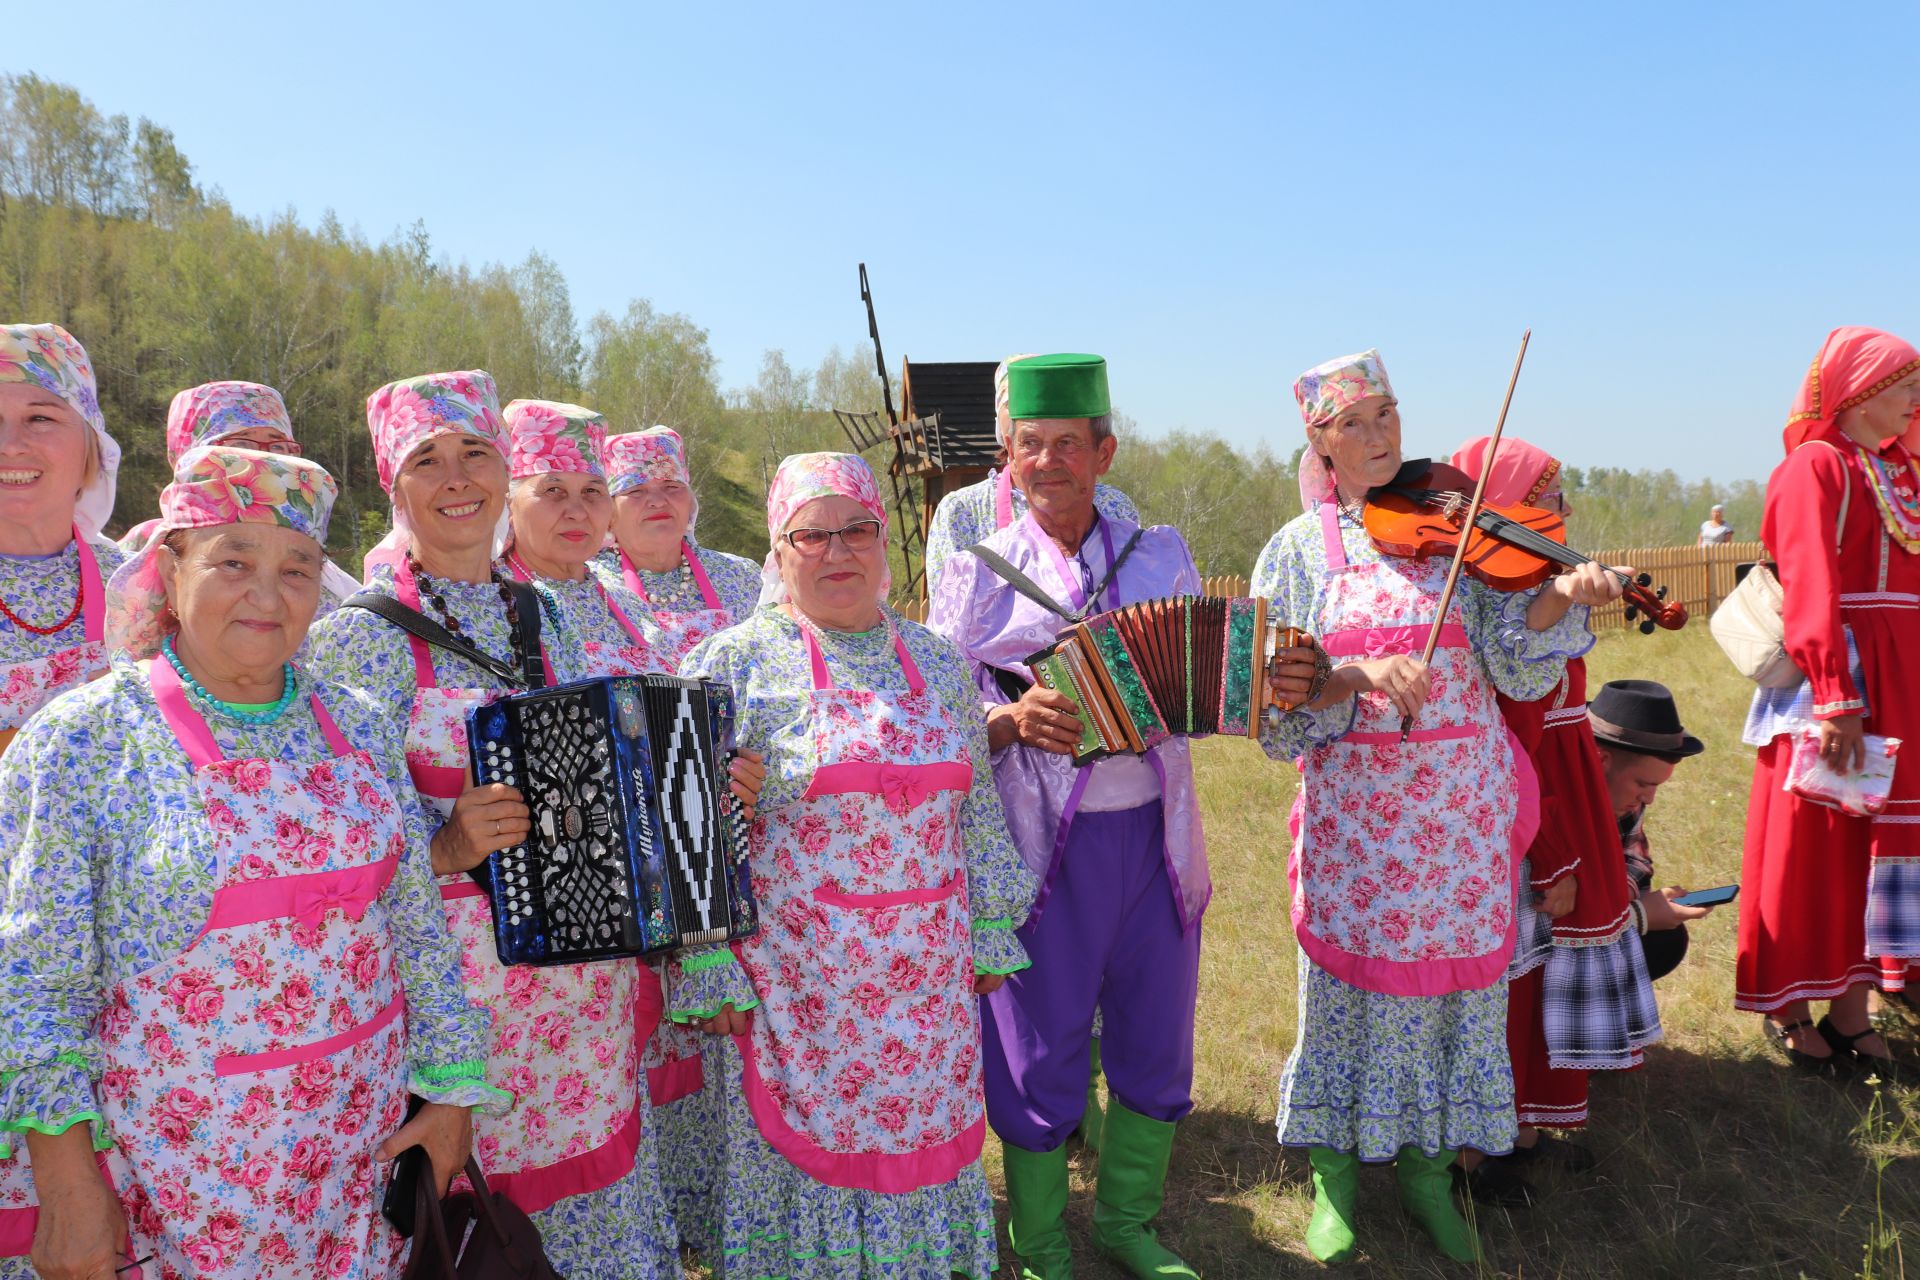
(1532, 933)
(1597, 1005)
(1893, 910)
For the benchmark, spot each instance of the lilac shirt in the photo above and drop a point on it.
(996, 626)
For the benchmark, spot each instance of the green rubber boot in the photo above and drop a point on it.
(1133, 1178)
(1036, 1212)
(1091, 1119)
(1426, 1189)
(1336, 1185)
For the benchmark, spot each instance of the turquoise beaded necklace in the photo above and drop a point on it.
(289, 689)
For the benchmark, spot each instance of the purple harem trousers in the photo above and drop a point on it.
(1107, 935)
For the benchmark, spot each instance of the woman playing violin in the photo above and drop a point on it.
(1403, 860)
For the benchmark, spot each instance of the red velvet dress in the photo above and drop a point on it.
(1805, 900)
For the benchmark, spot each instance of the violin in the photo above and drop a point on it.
(1420, 513)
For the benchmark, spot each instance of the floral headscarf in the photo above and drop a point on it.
(642, 457)
(406, 414)
(204, 414)
(803, 477)
(1521, 471)
(1002, 418)
(1855, 364)
(545, 436)
(213, 485)
(50, 358)
(1323, 392)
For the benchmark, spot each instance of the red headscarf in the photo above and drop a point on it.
(1521, 471)
(1855, 365)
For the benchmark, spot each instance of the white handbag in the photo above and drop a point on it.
(1749, 625)
(1750, 630)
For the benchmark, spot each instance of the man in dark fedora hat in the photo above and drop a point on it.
(1637, 728)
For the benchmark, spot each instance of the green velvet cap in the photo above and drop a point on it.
(1058, 386)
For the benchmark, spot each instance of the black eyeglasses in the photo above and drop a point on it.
(858, 536)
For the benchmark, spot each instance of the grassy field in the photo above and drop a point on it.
(1715, 1159)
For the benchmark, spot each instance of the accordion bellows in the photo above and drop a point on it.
(638, 846)
(1145, 672)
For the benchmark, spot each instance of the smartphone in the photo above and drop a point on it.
(402, 1184)
(1709, 897)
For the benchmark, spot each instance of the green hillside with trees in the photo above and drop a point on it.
(106, 228)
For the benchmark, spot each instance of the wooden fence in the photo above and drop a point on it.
(1700, 577)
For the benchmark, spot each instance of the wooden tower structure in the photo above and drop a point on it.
(943, 438)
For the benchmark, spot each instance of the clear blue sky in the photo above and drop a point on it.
(1680, 199)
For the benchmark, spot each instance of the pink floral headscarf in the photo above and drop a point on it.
(406, 414)
(642, 457)
(1521, 471)
(203, 414)
(1322, 392)
(545, 436)
(803, 477)
(50, 358)
(213, 485)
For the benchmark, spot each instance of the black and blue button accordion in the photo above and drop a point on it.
(637, 847)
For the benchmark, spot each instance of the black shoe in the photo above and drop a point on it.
(1547, 1149)
(1890, 1070)
(1837, 1067)
(1495, 1184)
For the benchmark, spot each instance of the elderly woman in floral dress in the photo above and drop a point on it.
(688, 592)
(889, 889)
(222, 966)
(1404, 856)
(692, 591)
(246, 415)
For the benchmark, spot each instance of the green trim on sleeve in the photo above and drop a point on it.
(472, 1069)
(684, 1016)
(707, 960)
(988, 971)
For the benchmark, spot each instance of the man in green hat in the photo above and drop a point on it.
(1117, 843)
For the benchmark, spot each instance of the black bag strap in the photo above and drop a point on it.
(1032, 590)
(527, 603)
(415, 623)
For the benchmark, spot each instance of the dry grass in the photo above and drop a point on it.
(1715, 1160)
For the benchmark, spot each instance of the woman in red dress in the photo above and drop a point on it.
(1831, 902)
(1579, 996)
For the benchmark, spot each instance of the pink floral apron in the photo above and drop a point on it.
(563, 1042)
(863, 1063)
(1408, 888)
(248, 1081)
(27, 686)
(682, 630)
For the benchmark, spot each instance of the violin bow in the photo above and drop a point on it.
(1466, 525)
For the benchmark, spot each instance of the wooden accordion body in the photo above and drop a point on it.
(638, 847)
(1147, 671)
